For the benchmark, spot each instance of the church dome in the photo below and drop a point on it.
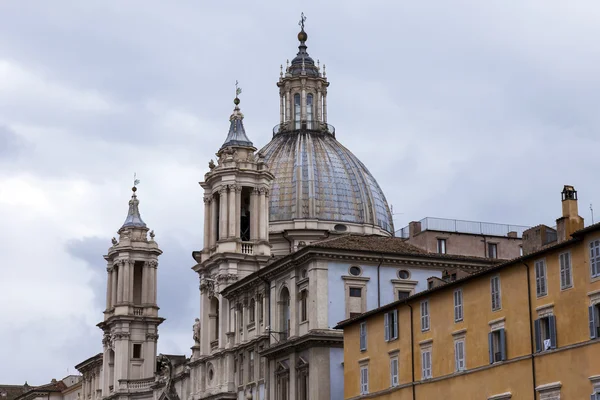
(316, 177)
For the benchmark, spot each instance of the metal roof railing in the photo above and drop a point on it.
(462, 226)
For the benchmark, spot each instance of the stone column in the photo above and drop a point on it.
(108, 287)
(204, 323)
(232, 211)
(293, 307)
(114, 288)
(105, 368)
(254, 214)
(288, 101)
(120, 277)
(281, 112)
(318, 105)
(261, 214)
(145, 283)
(223, 213)
(154, 266)
(273, 338)
(325, 107)
(213, 221)
(149, 355)
(207, 220)
(303, 105)
(238, 210)
(223, 312)
(130, 287)
(126, 281)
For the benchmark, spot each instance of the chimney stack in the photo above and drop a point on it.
(570, 221)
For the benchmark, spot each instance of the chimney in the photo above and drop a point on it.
(570, 220)
(414, 228)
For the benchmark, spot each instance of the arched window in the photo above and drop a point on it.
(303, 305)
(297, 111)
(284, 313)
(251, 311)
(309, 111)
(214, 319)
(260, 308)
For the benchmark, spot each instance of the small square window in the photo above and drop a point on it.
(403, 294)
(441, 246)
(492, 250)
(137, 350)
(355, 292)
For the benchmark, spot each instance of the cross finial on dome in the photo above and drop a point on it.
(237, 134)
(302, 19)
(134, 218)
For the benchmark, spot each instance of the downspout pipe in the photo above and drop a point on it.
(412, 351)
(286, 237)
(531, 331)
(379, 282)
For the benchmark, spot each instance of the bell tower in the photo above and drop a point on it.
(131, 317)
(236, 243)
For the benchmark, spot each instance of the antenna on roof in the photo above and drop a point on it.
(592, 210)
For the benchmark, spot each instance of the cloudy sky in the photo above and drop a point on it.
(476, 110)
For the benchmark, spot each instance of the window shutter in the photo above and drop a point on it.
(456, 318)
(395, 326)
(491, 343)
(552, 324)
(363, 336)
(503, 344)
(423, 365)
(461, 355)
(456, 362)
(386, 326)
(593, 323)
(568, 270)
(538, 335)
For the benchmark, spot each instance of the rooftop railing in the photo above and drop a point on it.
(303, 126)
(461, 226)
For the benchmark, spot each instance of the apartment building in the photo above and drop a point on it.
(524, 329)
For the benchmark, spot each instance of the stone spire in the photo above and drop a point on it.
(133, 215)
(237, 133)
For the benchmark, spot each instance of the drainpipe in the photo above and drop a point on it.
(484, 246)
(412, 352)
(285, 236)
(379, 282)
(531, 331)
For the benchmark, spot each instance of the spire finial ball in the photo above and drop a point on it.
(134, 189)
(302, 36)
(236, 101)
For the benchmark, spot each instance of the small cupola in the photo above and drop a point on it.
(570, 221)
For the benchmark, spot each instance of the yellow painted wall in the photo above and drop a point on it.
(571, 366)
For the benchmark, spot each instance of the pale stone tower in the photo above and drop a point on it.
(236, 244)
(131, 318)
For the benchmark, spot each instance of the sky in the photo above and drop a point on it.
(465, 109)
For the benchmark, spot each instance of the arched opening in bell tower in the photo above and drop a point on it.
(137, 282)
(214, 322)
(245, 215)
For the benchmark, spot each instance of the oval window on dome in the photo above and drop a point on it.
(403, 274)
(340, 228)
(355, 271)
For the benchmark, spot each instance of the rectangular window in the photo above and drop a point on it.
(425, 315)
(363, 336)
(260, 308)
(541, 280)
(496, 295)
(458, 305)
(251, 366)
(441, 246)
(426, 364)
(355, 292)
(492, 250)
(596, 395)
(545, 333)
(303, 305)
(520, 251)
(595, 258)
(594, 317)
(566, 272)
(459, 355)
(394, 371)
(403, 294)
(390, 321)
(364, 379)
(497, 345)
(137, 350)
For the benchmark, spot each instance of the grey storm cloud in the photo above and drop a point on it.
(466, 109)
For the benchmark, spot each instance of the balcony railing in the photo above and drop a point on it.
(461, 226)
(140, 384)
(138, 311)
(247, 248)
(312, 126)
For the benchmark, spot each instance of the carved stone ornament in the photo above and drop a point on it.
(211, 164)
(223, 190)
(107, 341)
(153, 263)
(120, 335)
(207, 199)
(196, 330)
(152, 336)
(207, 285)
(226, 278)
(114, 241)
(152, 234)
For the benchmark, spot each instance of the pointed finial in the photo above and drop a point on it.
(318, 64)
(324, 72)
(281, 70)
(302, 36)
(287, 64)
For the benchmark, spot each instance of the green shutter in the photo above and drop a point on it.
(552, 324)
(538, 335)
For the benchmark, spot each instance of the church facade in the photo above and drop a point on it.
(297, 237)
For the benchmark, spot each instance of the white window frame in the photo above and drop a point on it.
(363, 336)
(460, 363)
(541, 278)
(595, 259)
(394, 371)
(496, 293)
(364, 379)
(426, 363)
(391, 329)
(458, 305)
(425, 322)
(566, 270)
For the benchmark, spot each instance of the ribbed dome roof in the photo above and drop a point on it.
(318, 178)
